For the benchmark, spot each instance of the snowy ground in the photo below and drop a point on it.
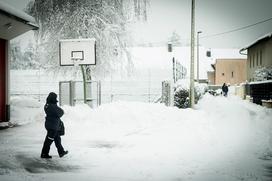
(222, 139)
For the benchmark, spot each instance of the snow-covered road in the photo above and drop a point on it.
(222, 139)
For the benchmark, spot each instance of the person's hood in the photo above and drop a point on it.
(52, 98)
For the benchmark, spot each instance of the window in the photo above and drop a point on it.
(232, 74)
(223, 74)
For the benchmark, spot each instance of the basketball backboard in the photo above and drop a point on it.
(77, 52)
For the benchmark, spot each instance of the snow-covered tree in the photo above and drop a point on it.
(23, 58)
(175, 39)
(264, 73)
(104, 20)
(16, 56)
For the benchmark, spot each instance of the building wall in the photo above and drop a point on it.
(230, 71)
(211, 77)
(259, 55)
(2, 80)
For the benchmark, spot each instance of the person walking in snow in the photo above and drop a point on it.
(53, 126)
(225, 90)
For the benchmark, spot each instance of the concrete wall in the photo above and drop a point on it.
(259, 55)
(231, 71)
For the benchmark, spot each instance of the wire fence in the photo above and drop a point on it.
(37, 86)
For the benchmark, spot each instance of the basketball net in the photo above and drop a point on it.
(76, 61)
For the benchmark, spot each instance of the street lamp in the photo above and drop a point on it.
(198, 55)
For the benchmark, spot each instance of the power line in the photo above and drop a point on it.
(237, 29)
(208, 36)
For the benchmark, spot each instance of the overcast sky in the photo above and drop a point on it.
(212, 17)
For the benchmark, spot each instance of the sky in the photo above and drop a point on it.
(212, 17)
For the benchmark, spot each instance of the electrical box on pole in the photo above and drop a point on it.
(169, 47)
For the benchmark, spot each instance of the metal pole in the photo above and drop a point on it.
(84, 84)
(174, 70)
(149, 82)
(198, 55)
(60, 94)
(72, 93)
(192, 94)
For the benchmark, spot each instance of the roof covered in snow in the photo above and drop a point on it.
(264, 37)
(9, 10)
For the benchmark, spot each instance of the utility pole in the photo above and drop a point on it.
(198, 55)
(192, 93)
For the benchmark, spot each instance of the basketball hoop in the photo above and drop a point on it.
(77, 52)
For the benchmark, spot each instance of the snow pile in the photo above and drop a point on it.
(224, 137)
(25, 110)
(239, 121)
(182, 84)
(216, 134)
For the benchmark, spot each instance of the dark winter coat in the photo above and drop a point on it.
(53, 112)
(225, 88)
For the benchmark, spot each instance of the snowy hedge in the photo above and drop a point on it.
(181, 93)
(264, 73)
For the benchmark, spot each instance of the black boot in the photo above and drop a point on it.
(45, 156)
(63, 153)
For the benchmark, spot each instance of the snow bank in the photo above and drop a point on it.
(224, 137)
(25, 110)
(238, 121)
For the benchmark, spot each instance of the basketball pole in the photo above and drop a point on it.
(84, 84)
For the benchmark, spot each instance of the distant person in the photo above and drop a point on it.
(225, 90)
(53, 126)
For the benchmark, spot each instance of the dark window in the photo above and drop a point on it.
(232, 74)
(223, 74)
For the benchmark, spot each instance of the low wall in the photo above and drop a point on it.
(257, 92)
(240, 91)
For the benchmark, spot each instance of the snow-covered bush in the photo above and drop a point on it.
(264, 73)
(181, 93)
(181, 98)
(200, 89)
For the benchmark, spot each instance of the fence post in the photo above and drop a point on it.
(71, 93)
(166, 93)
(60, 95)
(99, 93)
